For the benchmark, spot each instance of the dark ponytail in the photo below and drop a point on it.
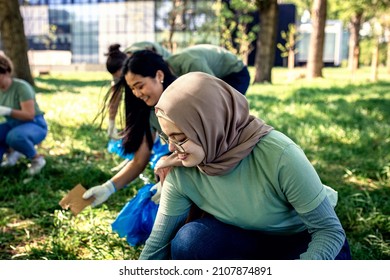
(115, 58)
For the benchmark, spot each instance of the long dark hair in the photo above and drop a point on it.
(145, 63)
(114, 63)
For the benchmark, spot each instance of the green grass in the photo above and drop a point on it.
(341, 123)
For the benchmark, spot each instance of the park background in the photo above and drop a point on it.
(330, 95)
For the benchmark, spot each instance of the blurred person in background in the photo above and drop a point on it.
(214, 60)
(114, 64)
(25, 125)
(147, 45)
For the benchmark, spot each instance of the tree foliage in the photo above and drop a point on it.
(237, 33)
(288, 49)
(354, 14)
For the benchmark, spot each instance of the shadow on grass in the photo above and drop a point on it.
(345, 130)
(71, 82)
(35, 199)
(69, 85)
(29, 206)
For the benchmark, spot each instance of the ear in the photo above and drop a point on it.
(160, 75)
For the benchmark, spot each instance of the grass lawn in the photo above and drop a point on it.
(342, 124)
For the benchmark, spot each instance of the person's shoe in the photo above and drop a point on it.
(36, 165)
(11, 159)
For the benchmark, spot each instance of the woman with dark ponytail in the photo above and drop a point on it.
(114, 64)
(144, 77)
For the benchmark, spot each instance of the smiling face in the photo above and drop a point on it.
(5, 81)
(193, 155)
(147, 89)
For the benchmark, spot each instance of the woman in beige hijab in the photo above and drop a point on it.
(263, 197)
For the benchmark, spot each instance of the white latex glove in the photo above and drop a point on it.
(101, 193)
(112, 131)
(332, 195)
(156, 197)
(5, 111)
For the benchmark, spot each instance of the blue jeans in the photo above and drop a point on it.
(209, 239)
(240, 80)
(22, 136)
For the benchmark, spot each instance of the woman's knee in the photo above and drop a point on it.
(183, 245)
(345, 252)
(203, 238)
(13, 138)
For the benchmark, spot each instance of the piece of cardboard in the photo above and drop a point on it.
(75, 201)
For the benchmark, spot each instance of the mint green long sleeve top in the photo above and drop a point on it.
(275, 190)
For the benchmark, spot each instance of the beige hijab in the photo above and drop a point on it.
(214, 115)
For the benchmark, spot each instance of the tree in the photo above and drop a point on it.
(188, 17)
(379, 27)
(235, 18)
(317, 38)
(266, 40)
(354, 48)
(13, 38)
(354, 14)
(176, 21)
(288, 49)
(387, 39)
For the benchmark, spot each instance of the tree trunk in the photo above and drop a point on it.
(354, 49)
(291, 59)
(374, 61)
(317, 38)
(266, 40)
(172, 25)
(14, 40)
(388, 55)
(291, 51)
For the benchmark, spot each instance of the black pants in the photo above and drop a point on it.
(239, 80)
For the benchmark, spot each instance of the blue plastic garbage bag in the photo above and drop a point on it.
(136, 219)
(115, 146)
(159, 150)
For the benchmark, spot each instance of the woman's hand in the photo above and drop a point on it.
(164, 165)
